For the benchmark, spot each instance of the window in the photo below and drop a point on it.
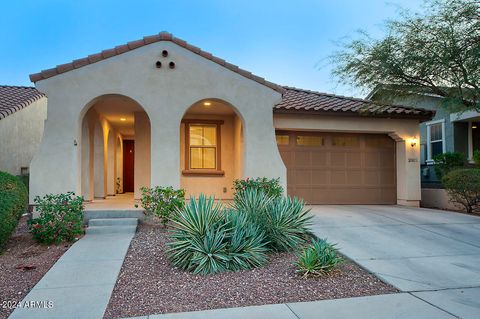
(202, 147)
(346, 141)
(282, 139)
(435, 139)
(310, 140)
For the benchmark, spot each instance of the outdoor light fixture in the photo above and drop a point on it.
(474, 126)
(207, 103)
(123, 119)
(413, 141)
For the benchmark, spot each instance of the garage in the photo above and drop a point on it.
(339, 168)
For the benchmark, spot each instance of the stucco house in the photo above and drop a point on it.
(23, 111)
(159, 111)
(445, 132)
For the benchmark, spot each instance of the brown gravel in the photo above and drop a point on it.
(148, 284)
(22, 265)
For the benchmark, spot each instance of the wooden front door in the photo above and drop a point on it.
(128, 165)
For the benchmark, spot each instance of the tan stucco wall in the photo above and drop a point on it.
(20, 136)
(437, 198)
(401, 130)
(165, 95)
(219, 186)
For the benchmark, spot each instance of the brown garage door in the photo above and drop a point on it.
(337, 168)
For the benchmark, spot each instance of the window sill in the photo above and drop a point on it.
(202, 172)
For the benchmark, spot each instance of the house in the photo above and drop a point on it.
(23, 111)
(445, 132)
(159, 111)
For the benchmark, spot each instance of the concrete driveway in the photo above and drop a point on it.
(434, 255)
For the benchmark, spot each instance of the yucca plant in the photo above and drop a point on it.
(198, 232)
(205, 239)
(247, 245)
(317, 259)
(286, 223)
(252, 201)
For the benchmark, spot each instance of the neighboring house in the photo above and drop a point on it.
(23, 111)
(159, 111)
(445, 132)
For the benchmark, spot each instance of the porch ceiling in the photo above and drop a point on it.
(116, 108)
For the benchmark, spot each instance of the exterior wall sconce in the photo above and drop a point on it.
(74, 142)
(158, 64)
(413, 141)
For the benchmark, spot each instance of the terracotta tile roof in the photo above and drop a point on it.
(305, 101)
(162, 36)
(15, 98)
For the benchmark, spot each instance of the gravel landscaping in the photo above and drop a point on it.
(22, 265)
(148, 284)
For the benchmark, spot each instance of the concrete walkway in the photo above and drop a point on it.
(79, 285)
(398, 306)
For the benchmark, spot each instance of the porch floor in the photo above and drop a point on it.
(118, 202)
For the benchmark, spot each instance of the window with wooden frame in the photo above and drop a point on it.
(203, 147)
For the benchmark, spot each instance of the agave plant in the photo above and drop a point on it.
(318, 259)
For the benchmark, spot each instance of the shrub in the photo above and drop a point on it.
(206, 239)
(61, 218)
(447, 162)
(284, 220)
(13, 200)
(319, 258)
(476, 157)
(463, 186)
(271, 187)
(162, 202)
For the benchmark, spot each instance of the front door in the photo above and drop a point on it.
(128, 165)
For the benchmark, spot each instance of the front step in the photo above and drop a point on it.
(112, 222)
(138, 214)
(130, 229)
(112, 225)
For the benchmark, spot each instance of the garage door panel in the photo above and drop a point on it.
(320, 176)
(302, 158)
(336, 168)
(337, 159)
(319, 158)
(354, 177)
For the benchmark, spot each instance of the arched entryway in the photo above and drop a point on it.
(211, 148)
(109, 123)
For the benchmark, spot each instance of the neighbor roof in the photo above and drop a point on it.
(15, 98)
(311, 102)
(162, 36)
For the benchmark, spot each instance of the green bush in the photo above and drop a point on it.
(271, 187)
(476, 157)
(13, 200)
(447, 162)
(206, 239)
(317, 259)
(284, 220)
(162, 202)
(463, 186)
(61, 218)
